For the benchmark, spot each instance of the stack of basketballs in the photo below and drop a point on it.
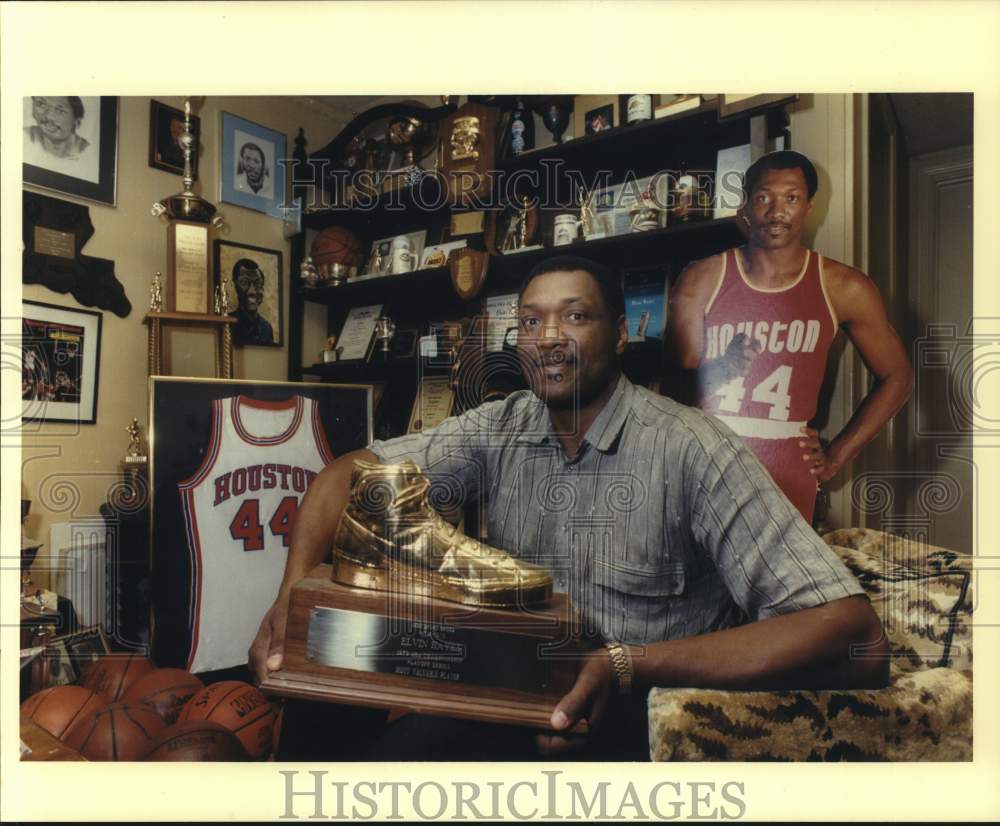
(125, 708)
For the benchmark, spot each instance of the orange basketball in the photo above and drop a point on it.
(166, 690)
(112, 676)
(241, 708)
(56, 709)
(120, 731)
(336, 245)
(196, 740)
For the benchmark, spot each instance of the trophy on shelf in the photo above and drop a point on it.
(555, 110)
(190, 216)
(308, 272)
(385, 329)
(412, 613)
(413, 137)
(156, 294)
(468, 149)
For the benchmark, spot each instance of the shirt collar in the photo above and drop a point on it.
(604, 430)
(537, 428)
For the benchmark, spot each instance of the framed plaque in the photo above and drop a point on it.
(469, 144)
(189, 287)
(358, 334)
(468, 268)
(432, 405)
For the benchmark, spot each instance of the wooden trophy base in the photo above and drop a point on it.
(390, 650)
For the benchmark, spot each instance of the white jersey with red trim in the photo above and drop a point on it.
(239, 509)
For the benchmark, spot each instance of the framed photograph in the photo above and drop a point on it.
(738, 104)
(60, 363)
(251, 175)
(594, 113)
(404, 343)
(254, 286)
(71, 145)
(72, 653)
(166, 125)
(229, 464)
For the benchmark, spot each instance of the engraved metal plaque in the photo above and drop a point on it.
(375, 643)
(53, 242)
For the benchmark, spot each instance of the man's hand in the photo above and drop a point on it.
(739, 355)
(267, 648)
(821, 464)
(587, 699)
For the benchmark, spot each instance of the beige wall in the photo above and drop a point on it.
(66, 470)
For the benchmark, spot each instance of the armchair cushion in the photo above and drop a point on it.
(923, 596)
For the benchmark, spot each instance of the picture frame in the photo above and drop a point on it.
(188, 418)
(166, 124)
(586, 105)
(259, 322)
(71, 145)
(404, 343)
(253, 172)
(732, 104)
(60, 363)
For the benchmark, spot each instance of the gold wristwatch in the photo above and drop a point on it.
(621, 661)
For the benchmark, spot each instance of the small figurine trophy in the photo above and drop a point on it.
(587, 216)
(156, 295)
(308, 272)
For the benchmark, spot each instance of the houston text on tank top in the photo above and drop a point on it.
(792, 328)
(239, 509)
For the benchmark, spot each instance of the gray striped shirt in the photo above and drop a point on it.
(663, 526)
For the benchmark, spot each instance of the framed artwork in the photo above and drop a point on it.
(71, 145)
(738, 104)
(594, 113)
(166, 125)
(252, 175)
(70, 655)
(229, 464)
(60, 363)
(255, 288)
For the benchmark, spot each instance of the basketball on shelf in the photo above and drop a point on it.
(120, 731)
(166, 690)
(241, 708)
(113, 675)
(196, 740)
(56, 709)
(336, 245)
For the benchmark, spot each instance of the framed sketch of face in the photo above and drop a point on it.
(254, 288)
(71, 145)
(253, 172)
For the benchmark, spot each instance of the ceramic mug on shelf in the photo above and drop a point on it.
(564, 229)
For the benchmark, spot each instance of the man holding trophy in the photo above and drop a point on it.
(686, 564)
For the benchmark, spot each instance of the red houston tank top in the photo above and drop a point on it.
(793, 328)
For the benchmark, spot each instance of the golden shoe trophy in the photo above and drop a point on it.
(414, 614)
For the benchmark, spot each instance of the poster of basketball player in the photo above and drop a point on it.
(254, 287)
(230, 463)
(60, 360)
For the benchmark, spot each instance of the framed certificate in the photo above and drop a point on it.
(432, 405)
(358, 334)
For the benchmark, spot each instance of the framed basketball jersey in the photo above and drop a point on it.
(230, 464)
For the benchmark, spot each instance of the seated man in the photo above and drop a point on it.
(665, 530)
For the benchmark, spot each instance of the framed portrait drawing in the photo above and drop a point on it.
(255, 287)
(71, 145)
(60, 363)
(252, 174)
(229, 464)
(166, 125)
